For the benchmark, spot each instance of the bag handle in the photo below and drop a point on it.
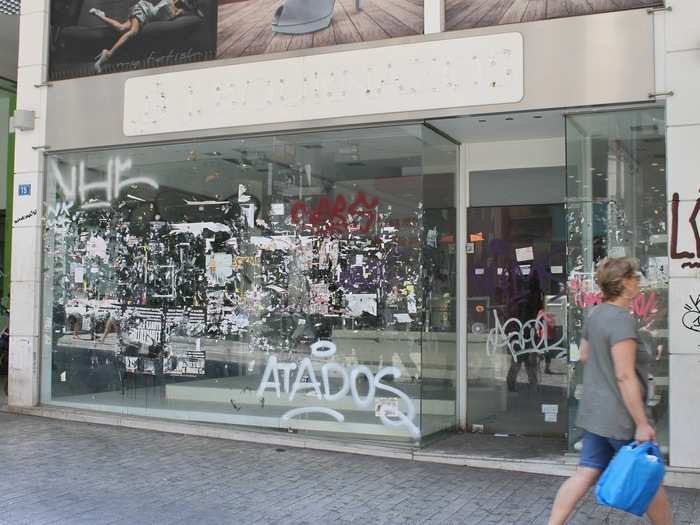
(646, 448)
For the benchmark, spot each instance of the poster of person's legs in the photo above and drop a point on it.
(468, 14)
(104, 36)
(254, 27)
(90, 37)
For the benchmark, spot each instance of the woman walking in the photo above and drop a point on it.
(612, 412)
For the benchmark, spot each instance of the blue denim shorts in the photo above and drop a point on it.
(598, 451)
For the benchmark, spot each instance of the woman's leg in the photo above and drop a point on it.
(134, 28)
(659, 511)
(116, 24)
(571, 492)
(513, 371)
(108, 326)
(106, 54)
(532, 367)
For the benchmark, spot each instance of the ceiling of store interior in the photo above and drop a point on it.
(503, 127)
(350, 156)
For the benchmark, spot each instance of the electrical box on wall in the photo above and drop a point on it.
(22, 120)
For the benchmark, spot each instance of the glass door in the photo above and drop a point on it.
(516, 320)
(616, 206)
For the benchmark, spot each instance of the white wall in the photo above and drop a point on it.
(678, 48)
(516, 154)
(9, 37)
(27, 210)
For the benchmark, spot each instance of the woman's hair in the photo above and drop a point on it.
(611, 273)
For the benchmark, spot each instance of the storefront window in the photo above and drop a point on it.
(616, 206)
(300, 282)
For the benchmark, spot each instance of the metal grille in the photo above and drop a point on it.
(9, 7)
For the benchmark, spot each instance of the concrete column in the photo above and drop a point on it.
(678, 30)
(25, 288)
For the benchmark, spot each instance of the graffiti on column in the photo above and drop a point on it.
(692, 220)
(691, 314)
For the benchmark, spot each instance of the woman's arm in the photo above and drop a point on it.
(177, 11)
(583, 351)
(624, 355)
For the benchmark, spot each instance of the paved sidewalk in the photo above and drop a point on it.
(65, 472)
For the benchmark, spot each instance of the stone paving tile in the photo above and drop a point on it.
(59, 472)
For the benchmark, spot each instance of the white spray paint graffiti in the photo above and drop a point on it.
(521, 338)
(76, 186)
(306, 379)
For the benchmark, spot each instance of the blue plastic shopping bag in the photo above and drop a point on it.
(632, 478)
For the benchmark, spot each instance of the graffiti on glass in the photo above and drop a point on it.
(518, 338)
(338, 216)
(585, 294)
(305, 379)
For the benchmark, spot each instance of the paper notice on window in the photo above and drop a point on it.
(242, 197)
(361, 303)
(557, 270)
(574, 353)
(411, 304)
(550, 408)
(78, 274)
(524, 254)
(617, 251)
(277, 208)
(387, 406)
(249, 215)
(550, 417)
(403, 318)
(478, 271)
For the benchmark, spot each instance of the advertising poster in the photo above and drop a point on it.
(255, 27)
(91, 37)
(468, 14)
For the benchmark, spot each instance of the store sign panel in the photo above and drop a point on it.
(460, 72)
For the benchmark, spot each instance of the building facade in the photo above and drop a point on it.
(369, 220)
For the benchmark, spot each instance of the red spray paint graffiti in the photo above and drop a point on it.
(644, 306)
(338, 217)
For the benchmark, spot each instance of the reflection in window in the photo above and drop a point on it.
(304, 282)
(616, 206)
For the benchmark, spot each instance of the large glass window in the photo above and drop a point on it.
(616, 206)
(301, 282)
